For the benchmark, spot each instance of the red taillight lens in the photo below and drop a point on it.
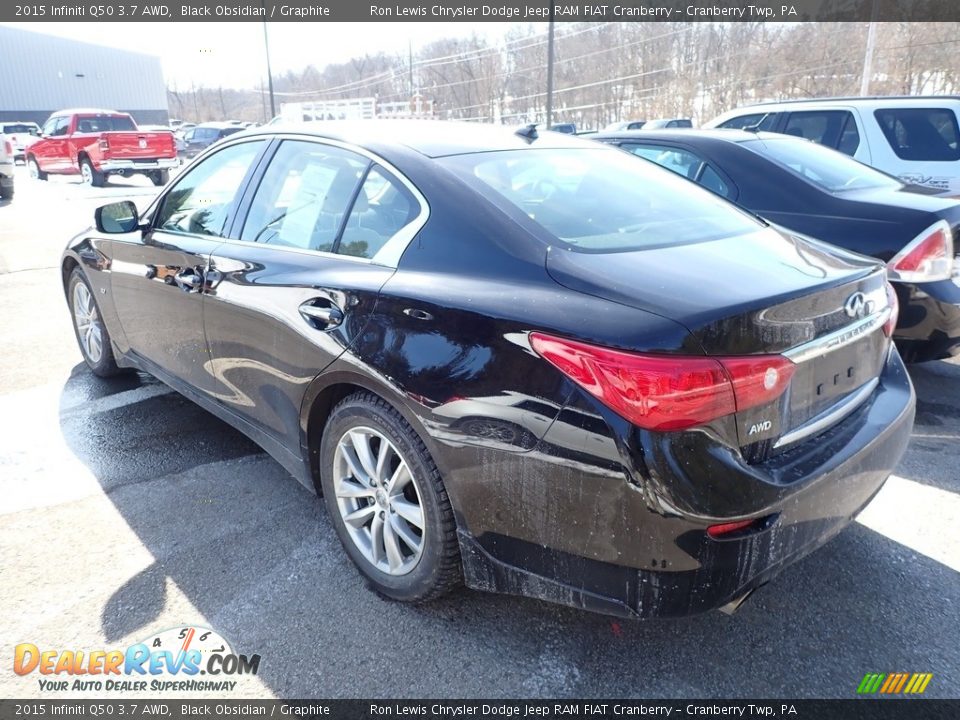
(718, 531)
(104, 144)
(8, 147)
(891, 324)
(926, 258)
(667, 392)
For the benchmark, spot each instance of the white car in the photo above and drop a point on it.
(6, 167)
(21, 135)
(916, 139)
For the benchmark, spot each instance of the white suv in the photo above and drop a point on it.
(914, 138)
(6, 168)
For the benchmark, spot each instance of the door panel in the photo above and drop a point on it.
(158, 276)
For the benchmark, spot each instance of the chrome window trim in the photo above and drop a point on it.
(388, 255)
(832, 416)
(838, 338)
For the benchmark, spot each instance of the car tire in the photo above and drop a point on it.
(6, 192)
(359, 501)
(91, 333)
(160, 177)
(33, 168)
(91, 176)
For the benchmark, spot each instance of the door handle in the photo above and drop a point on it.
(189, 279)
(322, 317)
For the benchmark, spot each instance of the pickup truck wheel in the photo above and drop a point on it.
(160, 177)
(90, 174)
(34, 169)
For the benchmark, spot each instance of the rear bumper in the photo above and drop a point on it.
(655, 558)
(929, 325)
(138, 166)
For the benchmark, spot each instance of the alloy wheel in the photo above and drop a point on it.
(379, 500)
(87, 173)
(87, 320)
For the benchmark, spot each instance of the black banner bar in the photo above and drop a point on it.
(482, 11)
(150, 709)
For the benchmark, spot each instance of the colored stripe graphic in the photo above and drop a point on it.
(894, 683)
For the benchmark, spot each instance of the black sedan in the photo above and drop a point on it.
(530, 364)
(824, 194)
(200, 137)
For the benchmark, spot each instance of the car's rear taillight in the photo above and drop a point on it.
(667, 392)
(104, 144)
(926, 258)
(891, 324)
(8, 147)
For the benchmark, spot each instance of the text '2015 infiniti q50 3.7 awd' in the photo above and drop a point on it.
(528, 363)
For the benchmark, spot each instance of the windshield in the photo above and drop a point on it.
(831, 170)
(18, 128)
(601, 200)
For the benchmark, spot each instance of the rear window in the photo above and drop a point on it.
(601, 200)
(924, 134)
(828, 169)
(105, 123)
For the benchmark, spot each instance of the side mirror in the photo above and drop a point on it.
(118, 217)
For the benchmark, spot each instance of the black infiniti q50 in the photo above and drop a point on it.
(527, 363)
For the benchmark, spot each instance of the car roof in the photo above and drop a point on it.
(872, 99)
(88, 111)
(688, 134)
(433, 138)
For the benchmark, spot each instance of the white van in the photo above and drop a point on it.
(916, 139)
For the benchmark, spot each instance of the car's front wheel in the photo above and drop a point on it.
(33, 169)
(387, 501)
(92, 335)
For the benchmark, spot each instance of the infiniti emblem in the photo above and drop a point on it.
(857, 306)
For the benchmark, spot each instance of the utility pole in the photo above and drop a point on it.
(266, 49)
(868, 53)
(550, 71)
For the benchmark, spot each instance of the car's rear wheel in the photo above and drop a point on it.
(387, 501)
(33, 168)
(91, 176)
(160, 177)
(6, 191)
(92, 335)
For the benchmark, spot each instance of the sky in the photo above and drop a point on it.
(231, 54)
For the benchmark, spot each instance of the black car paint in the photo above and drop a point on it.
(874, 222)
(451, 322)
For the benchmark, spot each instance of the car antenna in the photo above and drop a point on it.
(528, 132)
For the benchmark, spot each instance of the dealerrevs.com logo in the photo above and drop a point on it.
(176, 660)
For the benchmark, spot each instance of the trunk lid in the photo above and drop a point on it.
(765, 292)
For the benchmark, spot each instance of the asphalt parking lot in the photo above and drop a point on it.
(125, 510)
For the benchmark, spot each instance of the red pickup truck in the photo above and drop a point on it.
(97, 143)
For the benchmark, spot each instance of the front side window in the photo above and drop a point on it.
(825, 127)
(57, 126)
(924, 134)
(826, 168)
(199, 203)
(600, 200)
(304, 196)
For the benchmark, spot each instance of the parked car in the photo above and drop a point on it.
(916, 139)
(6, 168)
(338, 291)
(98, 143)
(625, 125)
(199, 138)
(661, 123)
(21, 135)
(824, 194)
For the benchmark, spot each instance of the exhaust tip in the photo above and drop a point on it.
(731, 607)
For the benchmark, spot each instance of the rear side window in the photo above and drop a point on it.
(924, 134)
(832, 128)
(600, 200)
(680, 161)
(304, 196)
(383, 206)
(766, 121)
